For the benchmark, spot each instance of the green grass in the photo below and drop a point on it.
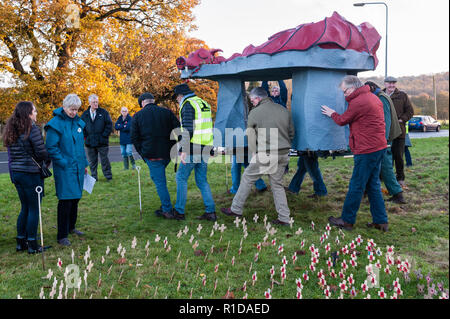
(110, 216)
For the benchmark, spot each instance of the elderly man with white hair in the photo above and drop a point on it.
(97, 130)
(64, 142)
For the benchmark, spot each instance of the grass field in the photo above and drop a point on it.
(209, 263)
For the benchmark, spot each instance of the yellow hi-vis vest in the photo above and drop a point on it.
(407, 127)
(203, 125)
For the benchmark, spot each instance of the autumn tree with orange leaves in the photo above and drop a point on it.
(54, 47)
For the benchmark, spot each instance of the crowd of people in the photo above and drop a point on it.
(376, 119)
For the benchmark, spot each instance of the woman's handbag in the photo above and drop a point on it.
(43, 170)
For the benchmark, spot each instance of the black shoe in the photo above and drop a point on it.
(208, 216)
(21, 244)
(229, 212)
(76, 232)
(313, 196)
(177, 215)
(173, 215)
(397, 198)
(35, 248)
(64, 242)
(158, 212)
(279, 222)
(288, 190)
(262, 190)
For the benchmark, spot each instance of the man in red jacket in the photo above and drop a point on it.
(367, 141)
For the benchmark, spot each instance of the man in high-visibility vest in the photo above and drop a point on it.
(196, 147)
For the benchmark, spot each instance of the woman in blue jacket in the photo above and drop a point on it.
(123, 124)
(24, 142)
(65, 145)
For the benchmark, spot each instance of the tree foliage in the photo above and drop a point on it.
(155, 71)
(54, 47)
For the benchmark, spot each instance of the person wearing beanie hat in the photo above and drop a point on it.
(151, 130)
(144, 97)
(196, 145)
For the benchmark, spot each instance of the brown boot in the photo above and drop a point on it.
(339, 222)
(383, 227)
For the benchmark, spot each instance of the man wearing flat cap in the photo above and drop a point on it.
(405, 112)
(151, 130)
(196, 147)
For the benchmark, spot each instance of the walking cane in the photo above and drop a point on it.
(39, 191)
(138, 168)
(226, 170)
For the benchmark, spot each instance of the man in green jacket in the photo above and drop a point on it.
(270, 132)
(393, 130)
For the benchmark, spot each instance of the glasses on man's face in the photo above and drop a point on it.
(346, 91)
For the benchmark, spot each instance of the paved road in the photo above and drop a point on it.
(114, 156)
(114, 151)
(442, 133)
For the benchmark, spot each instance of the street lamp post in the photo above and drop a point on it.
(361, 4)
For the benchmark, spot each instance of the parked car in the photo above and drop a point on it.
(424, 123)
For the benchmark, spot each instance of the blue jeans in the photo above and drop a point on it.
(196, 163)
(366, 176)
(27, 222)
(408, 158)
(126, 150)
(158, 176)
(308, 164)
(388, 175)
(236, 169)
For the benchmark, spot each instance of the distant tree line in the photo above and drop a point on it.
(420, 91)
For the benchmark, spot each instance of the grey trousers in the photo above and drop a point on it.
(262, 164)
(93, 153)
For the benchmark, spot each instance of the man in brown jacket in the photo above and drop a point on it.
(270, 132)
(405, 112)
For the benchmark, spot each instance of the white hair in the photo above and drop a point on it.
(351, 81)
(124, 107)
(71, 101)
(92, 97)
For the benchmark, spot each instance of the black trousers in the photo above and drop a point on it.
(67, 216)
(93, 153)
(398, 150)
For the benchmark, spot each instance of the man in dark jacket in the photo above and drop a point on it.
(368, 143)
(151, 131)
(405, 112)
(123, 125)
(96, 133)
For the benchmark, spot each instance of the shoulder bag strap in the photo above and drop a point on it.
(26, 151)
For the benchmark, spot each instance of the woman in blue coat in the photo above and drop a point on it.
(123, 124)
(65, 146)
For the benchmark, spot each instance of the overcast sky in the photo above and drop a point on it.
(418, 30)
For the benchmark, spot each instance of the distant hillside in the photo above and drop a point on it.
(420, 91)
(415, 85)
